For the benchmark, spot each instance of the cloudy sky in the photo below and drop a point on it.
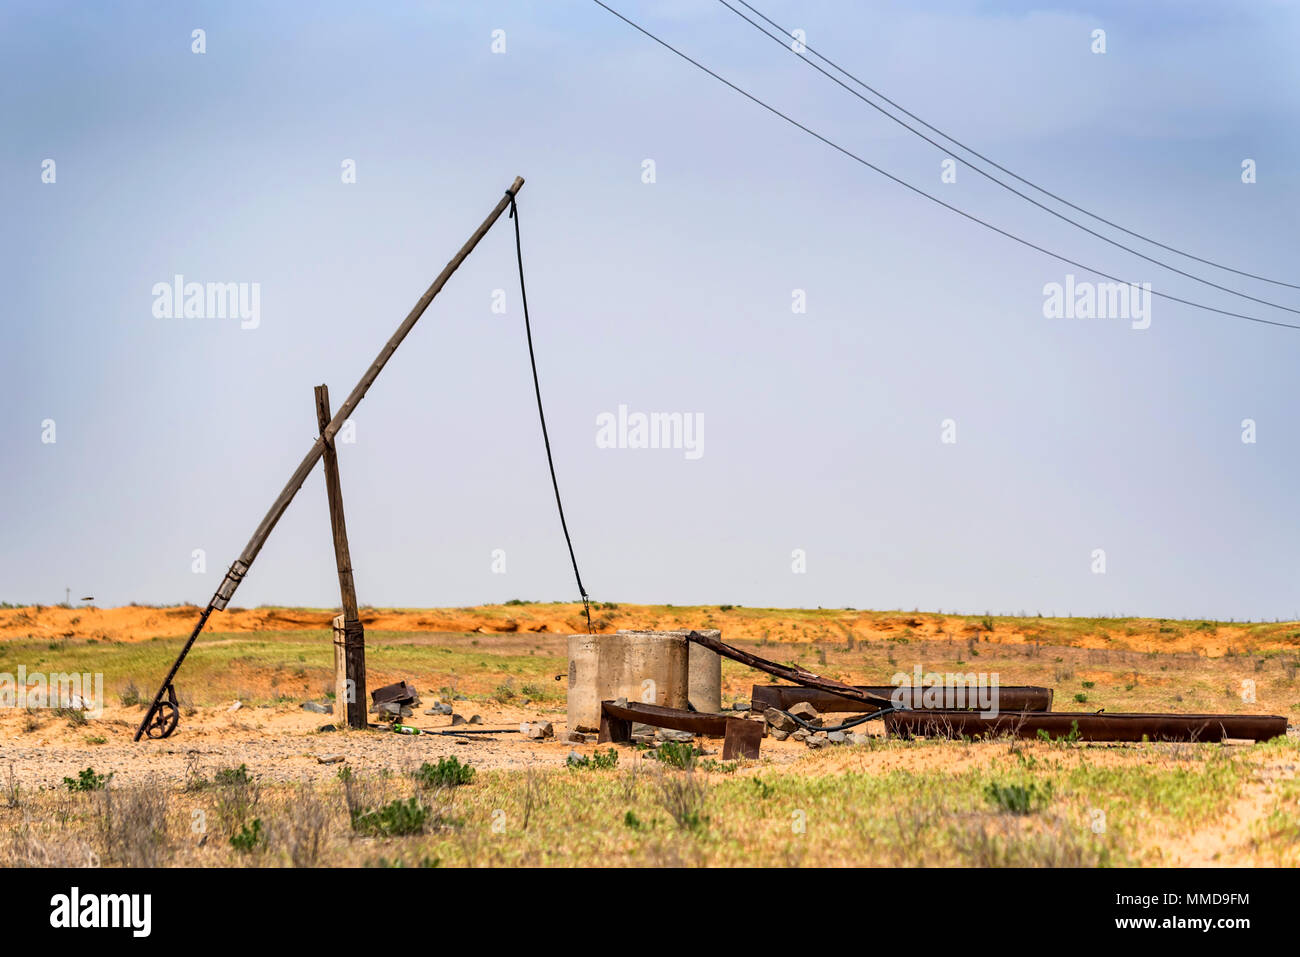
(671, 231)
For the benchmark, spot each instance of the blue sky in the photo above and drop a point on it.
(822, 429)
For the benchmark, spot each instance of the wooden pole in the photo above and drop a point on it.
(349, 637)
(161, 717)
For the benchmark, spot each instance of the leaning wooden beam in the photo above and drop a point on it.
(161, 718)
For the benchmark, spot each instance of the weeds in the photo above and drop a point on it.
(684, 796)
(249, 837)
(599, 761)
(303, 834)
(392, 819)
(447, 773)
(677, 755)
(133, 825)
(1018, 798)
(87, 780)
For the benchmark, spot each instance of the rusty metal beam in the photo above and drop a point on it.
(741, 736)
(1089, 726)
(872, 702)
(784, 697)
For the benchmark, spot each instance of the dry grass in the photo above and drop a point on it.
(1093, 807)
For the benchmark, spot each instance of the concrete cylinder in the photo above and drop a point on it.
(644, 667)
(584, 701)
(705, 675)
(704, 669)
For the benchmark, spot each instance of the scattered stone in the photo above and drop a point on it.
(326, 727)
(815, 741)
(779, 720)
(329, 759)
(439, 708)
(780, 735)
(457, 719)
(236, 706)
(802, 734)
(475, 719)
(315, 707)
(680, 737)
(574, 737)
(460, 697)
(621, 702)
(859, 738)
(643, 730)
(537, 731)
(740, 706)
(573, 758)
(808, 713)
(837, 737)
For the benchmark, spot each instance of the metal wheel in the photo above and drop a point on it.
(165, 717)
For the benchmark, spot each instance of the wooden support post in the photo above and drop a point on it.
(349, 637)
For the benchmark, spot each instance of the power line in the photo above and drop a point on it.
(974, 152)
(921, 192)
(782, 41)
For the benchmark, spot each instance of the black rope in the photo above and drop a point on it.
(851, 723)
(541, 414)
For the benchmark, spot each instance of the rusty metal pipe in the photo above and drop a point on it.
(1089, 726)
(784, 697)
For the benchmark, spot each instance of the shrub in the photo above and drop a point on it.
(447, 773)
(87, 780)
(229, 776)
(600, 761)
(676, 754)
(247, 838)
(1018, 798)
(395, 818)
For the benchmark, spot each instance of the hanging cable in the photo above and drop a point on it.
(782, 41)
(541, 414)
(934, 199)
(974, 152)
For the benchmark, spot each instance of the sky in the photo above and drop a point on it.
(882, 414)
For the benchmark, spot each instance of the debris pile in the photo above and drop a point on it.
(395, 701)
(780, 725)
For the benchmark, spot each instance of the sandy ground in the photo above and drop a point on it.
(284, 745)
(140, 623)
